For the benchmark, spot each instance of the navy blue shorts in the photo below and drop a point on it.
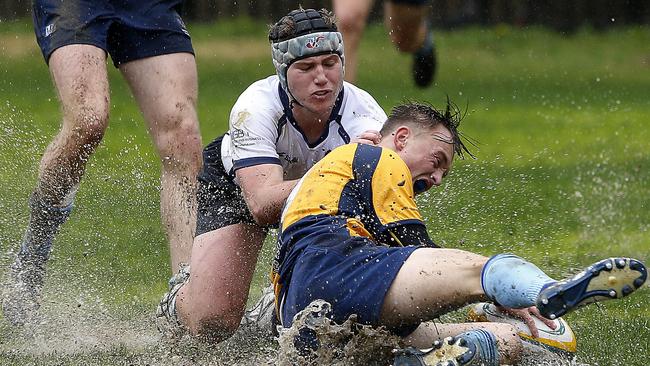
(353, 275)
(127, 29)
(220, 200)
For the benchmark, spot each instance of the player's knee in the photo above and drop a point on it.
(88, 127)
(188, 136)
(180, 145)
(217, 327)
(350, 23)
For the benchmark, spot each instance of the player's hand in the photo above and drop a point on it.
(370, 137)
(526, 315)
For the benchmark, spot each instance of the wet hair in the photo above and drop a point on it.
(293, 25)
(424, 116)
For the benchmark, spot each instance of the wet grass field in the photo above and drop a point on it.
(561, 178)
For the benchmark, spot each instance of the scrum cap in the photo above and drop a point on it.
(311, 36)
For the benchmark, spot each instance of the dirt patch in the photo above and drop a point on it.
(14, 46)
(240, 49)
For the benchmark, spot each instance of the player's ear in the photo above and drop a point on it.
(402, 135)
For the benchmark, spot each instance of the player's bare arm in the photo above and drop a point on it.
(264, 191)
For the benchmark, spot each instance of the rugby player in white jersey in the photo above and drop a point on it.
(279, 127)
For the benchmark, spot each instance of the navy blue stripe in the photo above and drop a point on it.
(244, 163)
(350, 204)
(281, 122)
(364, 164)
(284, 98)
(344, 135)
(334, 116)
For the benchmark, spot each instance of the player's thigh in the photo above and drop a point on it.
(443, 270)
(166, 89)
(80, 78)
(405, 21)
(352, 14)
(223, 262)
(432, 281)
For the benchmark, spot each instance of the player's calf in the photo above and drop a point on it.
(424, 61)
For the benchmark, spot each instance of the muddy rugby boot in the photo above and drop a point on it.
(22, 290)
(22, 295)
(262, 315)
(610, 278)
(475, 347)
(166, 317)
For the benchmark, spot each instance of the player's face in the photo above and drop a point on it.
(315, 82)
(429, 155)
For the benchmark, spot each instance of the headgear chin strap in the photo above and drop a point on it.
(312, 37)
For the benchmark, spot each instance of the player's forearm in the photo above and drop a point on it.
(265, 203)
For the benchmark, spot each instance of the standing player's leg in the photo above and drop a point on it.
(351, 16)
(80, 78)
(410, 32)
(166, 89)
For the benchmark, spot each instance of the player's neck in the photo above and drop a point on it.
(311, 124)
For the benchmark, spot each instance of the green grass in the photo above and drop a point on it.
(561, 175)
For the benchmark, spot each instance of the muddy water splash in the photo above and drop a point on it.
(314, 339)
(79, 331)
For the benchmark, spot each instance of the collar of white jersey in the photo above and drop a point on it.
(335, 116)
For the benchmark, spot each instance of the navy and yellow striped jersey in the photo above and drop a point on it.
(357, 191)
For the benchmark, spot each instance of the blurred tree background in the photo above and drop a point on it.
(561, 15)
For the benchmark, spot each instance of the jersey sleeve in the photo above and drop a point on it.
(362, 113)
(361, 124)
(253, 128)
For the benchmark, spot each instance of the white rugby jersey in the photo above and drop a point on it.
(263, 130)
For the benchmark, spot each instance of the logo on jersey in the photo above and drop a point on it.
(312, 42)
(238, 134)
(182, 24)
(241, 118)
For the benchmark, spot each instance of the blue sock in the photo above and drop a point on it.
(486, 345)
(512, 282)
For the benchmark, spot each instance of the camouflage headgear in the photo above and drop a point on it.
(312, 37)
